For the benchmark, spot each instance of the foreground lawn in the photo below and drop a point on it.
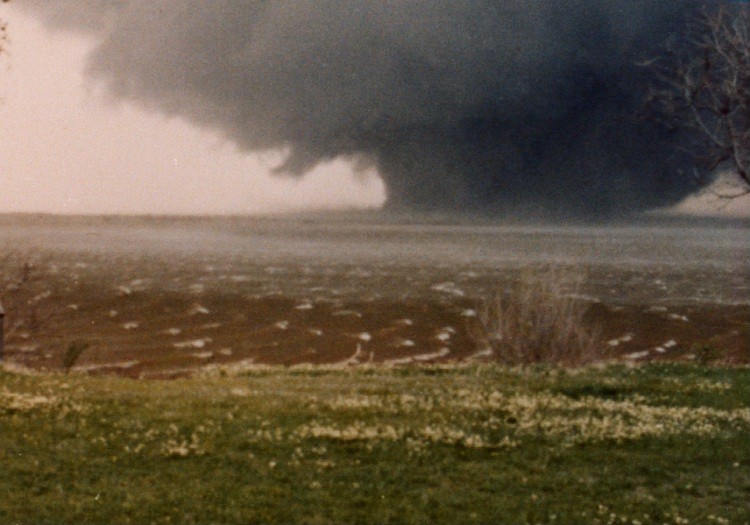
(475, 444)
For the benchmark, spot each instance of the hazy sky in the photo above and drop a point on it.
(66, 148)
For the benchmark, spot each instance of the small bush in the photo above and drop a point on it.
(536, 322)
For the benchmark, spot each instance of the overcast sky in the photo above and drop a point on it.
(67, 147)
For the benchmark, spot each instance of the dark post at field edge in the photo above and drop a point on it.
(2, 321)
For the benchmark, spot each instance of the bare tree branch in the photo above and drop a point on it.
(703, 89)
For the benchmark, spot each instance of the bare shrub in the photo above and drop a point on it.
(537, 322)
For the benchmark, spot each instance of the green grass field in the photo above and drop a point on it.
(471, 444)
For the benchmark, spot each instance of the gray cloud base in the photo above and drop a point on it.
(499, 107)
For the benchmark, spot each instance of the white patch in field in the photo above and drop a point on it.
(112, 313)
(122, 365)
(342, 313)
(41, 296)
(638, 355)
(198, 309)
(226, 351)
(653, 309)
(73, 306)
(443, 336)
(449, 288)
(196, 343)
(364, 336)
(281, 325)
(130, 325)
(304, 306)
(405, 343)
(316, 332)
(124, 290)
(202, 355)
(399, 361)
(432, 355)
(670, 344)
(469, 313)
(660, 350)
(81, 265)
(486, 352)
(405, 322)
(622, 339)
(678, 317)
(173, 331)
(209, 326)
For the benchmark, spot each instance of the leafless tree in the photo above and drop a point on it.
(702, 87)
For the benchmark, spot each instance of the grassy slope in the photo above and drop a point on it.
(474, 444)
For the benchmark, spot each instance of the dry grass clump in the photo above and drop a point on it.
(536, 321)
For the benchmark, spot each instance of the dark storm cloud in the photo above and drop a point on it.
(497, 106)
